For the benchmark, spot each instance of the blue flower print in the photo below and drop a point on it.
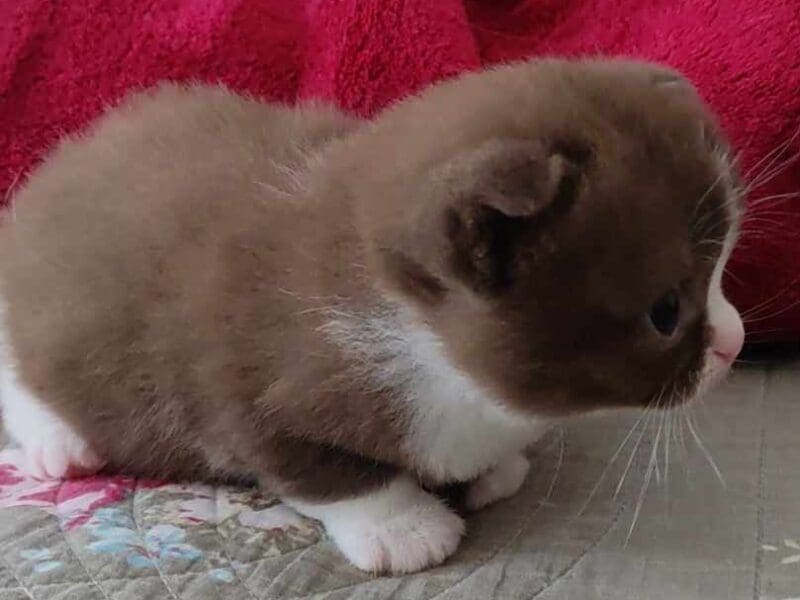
(221, 575)
(42, 559)
(116, 533)
(167, 542)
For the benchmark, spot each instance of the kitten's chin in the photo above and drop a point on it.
(715, 370)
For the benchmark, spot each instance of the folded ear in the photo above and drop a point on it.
(498, 192)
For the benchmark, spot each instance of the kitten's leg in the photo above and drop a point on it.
(380, 518)
(397, 528)
(503, 481)
(52, 449)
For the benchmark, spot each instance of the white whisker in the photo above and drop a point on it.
(707, 192)
(771, 156)
(681, 438)
(645, 485)
(733, 276)
(773, 314)
(768, 176)
(763, 305)
(660, 426)
(667, 439)
(704, 450)
(771, 198)
(635, 449)
(613, 459)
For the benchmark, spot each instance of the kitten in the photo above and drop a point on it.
(206, 287)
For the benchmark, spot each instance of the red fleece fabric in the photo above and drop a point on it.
(62, 63)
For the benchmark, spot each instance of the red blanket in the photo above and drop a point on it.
(61, 63)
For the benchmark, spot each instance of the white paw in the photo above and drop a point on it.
(419, 537)
(503, 481)
(398, 529)
(52, 449)
(60, 455)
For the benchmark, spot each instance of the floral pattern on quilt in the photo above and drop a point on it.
(117, 538)
(153, 527)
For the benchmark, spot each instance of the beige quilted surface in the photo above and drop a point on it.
(694, 539)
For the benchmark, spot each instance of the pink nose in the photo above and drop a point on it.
(727, 341)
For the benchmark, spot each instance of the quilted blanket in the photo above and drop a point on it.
(585, 526)
(61, 63)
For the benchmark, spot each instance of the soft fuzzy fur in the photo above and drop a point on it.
(341, 311)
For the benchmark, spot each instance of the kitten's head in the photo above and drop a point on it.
(562, 227)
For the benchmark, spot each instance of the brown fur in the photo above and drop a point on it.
(169, 275)
(632, 148)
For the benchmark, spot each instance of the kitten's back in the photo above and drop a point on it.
(115, 241)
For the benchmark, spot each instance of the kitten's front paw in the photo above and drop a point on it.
(53, 450)
(503, 481)
(416, 538)
(60, 455)
(397, 529)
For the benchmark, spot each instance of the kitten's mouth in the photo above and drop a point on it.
(683, 391)
(716, 368)
(727, 358)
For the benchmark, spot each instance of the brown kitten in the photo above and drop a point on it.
(204, 286)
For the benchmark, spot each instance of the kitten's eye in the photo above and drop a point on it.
(664, 314)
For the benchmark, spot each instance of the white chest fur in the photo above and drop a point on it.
(457, 431)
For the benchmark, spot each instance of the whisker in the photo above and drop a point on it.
(772, 315)
(667, 432)
(673, 428)
(704, 450)
(765, 238)
(709, 222)
(733, 276)
(707, 192)
(758, 343)
(772, 233)
(768, 223)
(710, 242)
(613, 458)
(634, 452)
(771, 198)
(680, 419)
(765, 178)
(772, 155)
(761, 306)
(703, 406)
(663, 415)
(645, 485)
(762, 219)
(764, 332)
